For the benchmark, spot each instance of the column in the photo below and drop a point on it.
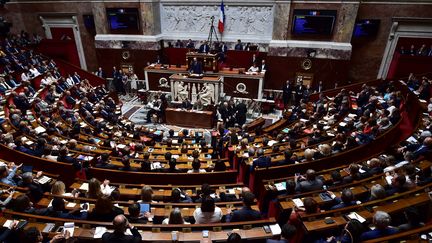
(281, 20)
(150, 17)
(100, 18)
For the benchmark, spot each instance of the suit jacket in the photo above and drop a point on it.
(244, 214)
(262, 161)
(307, 186)
(204, 48)
(376, 233)
(196, 67)
(121, 237)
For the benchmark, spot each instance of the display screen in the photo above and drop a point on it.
(313, 22)
(123, 18)
(366, 28)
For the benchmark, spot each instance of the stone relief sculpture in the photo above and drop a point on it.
(206, 95)
(182, 92)
(246, 20)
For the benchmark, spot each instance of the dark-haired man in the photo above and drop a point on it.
(246, 213)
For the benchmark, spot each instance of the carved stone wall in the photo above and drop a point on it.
(252, 23)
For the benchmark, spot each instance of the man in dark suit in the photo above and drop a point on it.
(186, 104)
(310, 183)
(121, 224)
(381, 220)
(238, 46)
(263, 66)
(262, 161)
(241, 111)
(300, 89)
(419, 149)
(190, 44)
(70, 100)
(246, 213)
(204, 48)
(223, 47)
(287, 93)
(196, 67)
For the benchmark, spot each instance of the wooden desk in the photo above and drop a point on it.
(156, 77)
(189, 118)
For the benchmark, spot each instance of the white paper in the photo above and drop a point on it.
(275, 229)
(84, 186)
(44, 179)
(8, 223)
(69, 227)
(39, 130)
(298, 202)
(70, 205)
(280, 187)
(354, 215)
(99, 231)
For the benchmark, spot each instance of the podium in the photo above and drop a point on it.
(209, 61)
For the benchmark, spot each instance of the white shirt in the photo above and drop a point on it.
(253, 69)
(24, 77)
(35, 72)
(70, 81)
(46, 81)
(207, 217)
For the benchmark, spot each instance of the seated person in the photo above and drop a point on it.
(7, 175)
(104, 210)
(412, 217)
(177, 196)
(354, 174)
(207, 191)
(398, 185)
(175, 217)
(377, 191)
(381, 220)
(58, 210)
(35, 189)
(208, 213)
(254, 68)
(262, 161)
(196, 167)
(246, 213)
(135, 216)
(346, 200)
(121, 224)
(310, 183)
(23, 204)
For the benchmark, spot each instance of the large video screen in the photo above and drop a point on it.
(313, 22)
(366, 28)
(123, 18)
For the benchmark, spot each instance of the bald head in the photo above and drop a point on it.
(428, 142)
(120, 223)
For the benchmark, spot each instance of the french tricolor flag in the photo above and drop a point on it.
(221, 24)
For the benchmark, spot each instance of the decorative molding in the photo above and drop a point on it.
(323, 49)
(402, 28)
(69, 21)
